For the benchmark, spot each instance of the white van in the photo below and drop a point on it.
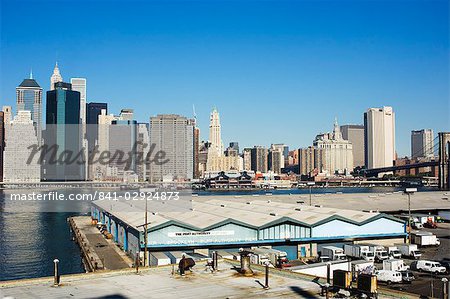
(430, 266)
(389, 276)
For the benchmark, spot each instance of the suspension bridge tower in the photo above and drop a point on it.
(444, 161)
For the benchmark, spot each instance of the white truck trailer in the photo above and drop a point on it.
(358, 251)
(261, 255)
(409, 250)
(395, 265)
(333, 252)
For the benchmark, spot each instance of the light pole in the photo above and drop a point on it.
(409, 191)
(310, 185)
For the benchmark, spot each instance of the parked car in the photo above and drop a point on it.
(407, 276)
(389, 276)
(428, 266)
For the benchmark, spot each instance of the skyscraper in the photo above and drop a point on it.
(275, 160)
(172, 134)
(259, 159)
(79, 84)
(215, 137)
(311, 159)
(29, 97)
(2, 142)
(64, 131)
(56, 77)
(21, 136)
(355, 134)
(422, 143)
(379, 137)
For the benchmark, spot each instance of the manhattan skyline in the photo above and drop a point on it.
(277, 73)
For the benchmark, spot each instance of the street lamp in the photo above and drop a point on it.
(310, 185)
(409, 191)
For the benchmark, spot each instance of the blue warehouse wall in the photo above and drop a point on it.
(177, 235)
(336, 228)
(284, 231)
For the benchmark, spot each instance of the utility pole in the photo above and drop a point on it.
(310, 185)
(409, 191)
(146, 234)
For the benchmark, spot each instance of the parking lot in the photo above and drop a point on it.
(426, 284)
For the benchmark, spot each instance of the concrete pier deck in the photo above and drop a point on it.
(99, 253)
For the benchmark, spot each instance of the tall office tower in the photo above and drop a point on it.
(275, 160)
(104, 121)
(17, 152)
(65, 132)
(142, 149)
(29, 97)
(7, 114)
(2, 142)
(215, 138)
(422, 143)
(235, 145)
(355, 134)
(196, 150)
(379, 137)
(247, 158)
(56, 77)
(122, 139)
(259, 159)
(172, 134)
(79, 84)
(338, 152)
(93, 110)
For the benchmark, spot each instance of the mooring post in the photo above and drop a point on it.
(266, 285)
(56, 272)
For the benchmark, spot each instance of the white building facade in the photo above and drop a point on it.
(338, 152)
(20, 135)
(379, 135)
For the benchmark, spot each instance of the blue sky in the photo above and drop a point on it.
(278, 71)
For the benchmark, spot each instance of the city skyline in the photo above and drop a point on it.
(280, 57)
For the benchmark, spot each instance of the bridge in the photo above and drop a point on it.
(443, 162)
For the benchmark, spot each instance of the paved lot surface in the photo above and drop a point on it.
(428, 285)
(159, 283)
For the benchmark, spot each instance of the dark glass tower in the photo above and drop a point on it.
(63, 132)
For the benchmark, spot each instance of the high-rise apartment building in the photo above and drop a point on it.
(122, 139)
(311, 160)
(422, 143)
(247, 158)
(173, 135)
(21, 135)
(275, 160)
(55, 77)
(29, 97)
(379, 137)
(284, 149)
(355, 134)
(64, 131)
(259, 161)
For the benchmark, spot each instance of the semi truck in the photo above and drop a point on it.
(359, 252)
(333, 252)
(409, 250)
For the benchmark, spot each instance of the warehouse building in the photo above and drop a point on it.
(220, 224)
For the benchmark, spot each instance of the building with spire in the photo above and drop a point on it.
(338, 152)
(56, 77)
(215, 138)
(29, 98)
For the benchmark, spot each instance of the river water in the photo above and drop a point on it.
(30, 241)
